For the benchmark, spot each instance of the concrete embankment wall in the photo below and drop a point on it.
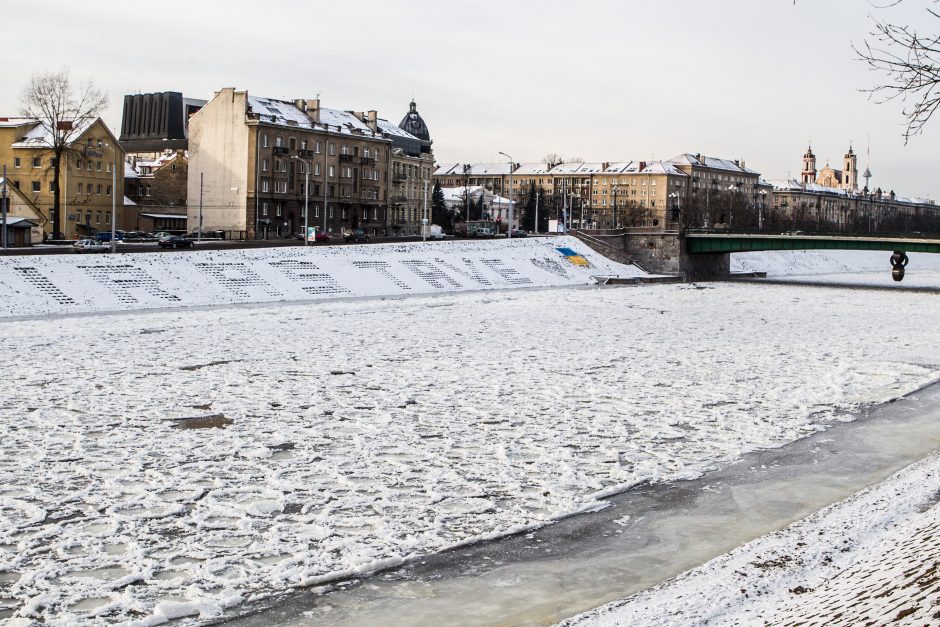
(64, 284)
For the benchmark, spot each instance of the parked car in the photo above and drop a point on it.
(176, 241)
(356, 235)
(319, 237)
(105, 236)
(88, 245)
(436, 232)
(517, 233)
(139, 236)
(162, 235)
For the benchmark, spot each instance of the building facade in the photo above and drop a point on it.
(262, 160)
(655, 194)
(90, 182)
(155, 123)
(411, 165)
(156, 190)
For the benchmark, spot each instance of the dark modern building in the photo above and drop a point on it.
(154, 123)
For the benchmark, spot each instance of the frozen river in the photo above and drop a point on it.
(178, 463)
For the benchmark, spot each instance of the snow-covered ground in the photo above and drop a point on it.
(869, 560)
(172, 463)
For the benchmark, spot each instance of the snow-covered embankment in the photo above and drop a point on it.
(63, 284)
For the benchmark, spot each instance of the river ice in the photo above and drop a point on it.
(164, 464)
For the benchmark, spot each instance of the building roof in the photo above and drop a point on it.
(283, 113)
(414, 124)
(715, 163)
(40, 136)
(533, 168)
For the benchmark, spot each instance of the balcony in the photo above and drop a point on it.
(346, 159)
(399, 178)
(280, 150)
(306, 154)
(399, 199)
(367, 161)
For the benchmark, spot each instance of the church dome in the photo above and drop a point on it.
(412, 123)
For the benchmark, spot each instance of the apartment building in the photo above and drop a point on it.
(411, 165)
(87, 182)
(255, 157)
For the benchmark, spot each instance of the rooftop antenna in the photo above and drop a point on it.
(867, 174)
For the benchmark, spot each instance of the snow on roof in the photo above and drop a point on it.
(590, 168)
(711, 162)
(616, 168)
(393, 129)
(41, 137)
(457, 194)
(16, 222)
(566, 168)
(285, 113)
(129, 203)
(129, 171)
(532, 168)
(16, 121)
(165, 216)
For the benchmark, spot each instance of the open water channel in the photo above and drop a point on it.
(645, 536)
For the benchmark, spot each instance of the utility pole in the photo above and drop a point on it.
(4, 201)
(199, 234)
(114, 201)
(424, 215)
(537, 191)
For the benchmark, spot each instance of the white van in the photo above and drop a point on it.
(436, 232)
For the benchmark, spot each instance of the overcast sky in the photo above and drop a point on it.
(602, 80)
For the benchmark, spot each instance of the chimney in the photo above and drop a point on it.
(374, 121)
(312, 109)
(642, 166)
(301, 104)
(741, 163)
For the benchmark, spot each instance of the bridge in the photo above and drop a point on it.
(705, 254)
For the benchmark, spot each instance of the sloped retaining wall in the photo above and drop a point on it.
(62, 284)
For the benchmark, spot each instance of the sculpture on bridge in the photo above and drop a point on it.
(898, 261)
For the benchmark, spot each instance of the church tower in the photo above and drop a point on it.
(850, 170)
(809, 167)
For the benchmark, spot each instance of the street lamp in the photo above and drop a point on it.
(674, 197)
(113, 198)
(511, 162)
(760, 209)
(731, 188)
(307, 166)
(3, 206)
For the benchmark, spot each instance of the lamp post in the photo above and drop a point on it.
(306, 197)
(537, 192)
(3, 206)
(113, 198)
(731, 188)
(509, 228)
(760, 209)
(674, 198)
(424, 215)
(616, 209)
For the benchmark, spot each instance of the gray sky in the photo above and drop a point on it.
(603, 80)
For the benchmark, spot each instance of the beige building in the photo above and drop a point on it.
(24, 221)
(254, 155)
(411, 165)
(87, 175)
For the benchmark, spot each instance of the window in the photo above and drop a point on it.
(37, 162)
(317, 147)
(303, 144)
(16, 162)
(99, 189)
(99, 166)
(97, 217)
(292, 143)
(316, 211)
(264, 165)
(264, 141)
(89, 166)
(264, 185)
(107, 218)
(264, 209)
(108, 192)
(278, 142)
(51, 186)
(280, 187)
(344, 149)
(107, 167)
(332, 148)
(36, 187)
(278, 209)
(332, 171)
(317, 170)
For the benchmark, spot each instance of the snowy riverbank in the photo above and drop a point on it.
(871, 559)
(66, 284)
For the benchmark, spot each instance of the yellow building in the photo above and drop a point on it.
(86, 177)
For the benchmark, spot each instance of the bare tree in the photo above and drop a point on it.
(910, 64)
(553, 159)
(52, 100)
